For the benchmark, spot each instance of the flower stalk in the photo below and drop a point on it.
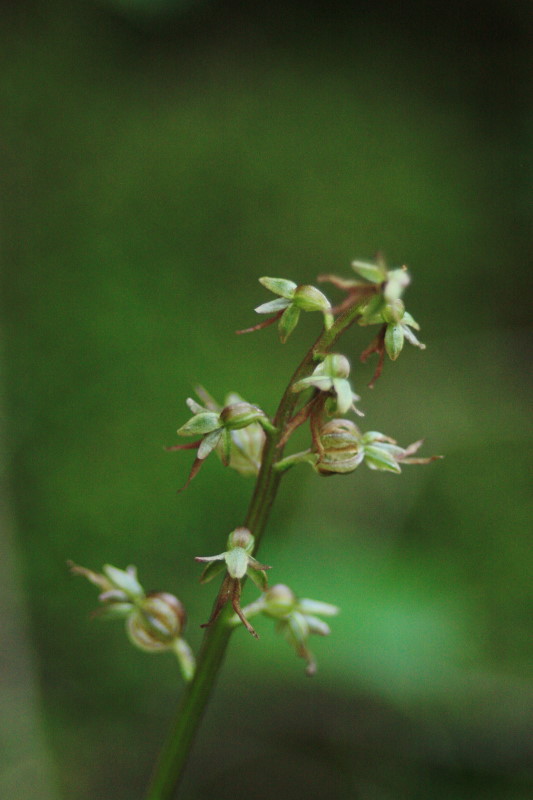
(175, 753)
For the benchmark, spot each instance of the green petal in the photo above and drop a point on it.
(407, 319)
(288, 322)
(309, 298)
(411, 338)
(195, 407)
(237, 562)
(126, 580)
(209, 442)
(322, 382)
(344, 393)
(258, 577)
(371, 272)
(394, 341)
(316, 607)
(272, 306)
(202, 423)
(376, 458)
(213, 569)
(316, 625)
(279, 286)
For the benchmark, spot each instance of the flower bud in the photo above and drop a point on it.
(279, 600)
(241, 537)
(394, 340)
(309, 298)
(341, 451)
(247, 449)
(393, 312)
(336, 366)
(156, 622)
(239, 415)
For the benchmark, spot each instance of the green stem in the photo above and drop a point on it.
(173, 759)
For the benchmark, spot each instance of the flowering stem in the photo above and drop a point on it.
(175, 753)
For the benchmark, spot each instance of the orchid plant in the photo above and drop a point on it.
(248, 440)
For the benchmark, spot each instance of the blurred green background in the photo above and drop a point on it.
(158, 157)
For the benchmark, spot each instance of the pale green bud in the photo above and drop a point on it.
(309, 298)
(279, 600)
(241, 537)
(246, 449)
(394, 312)
(394, 339)
(156, 623)
(341, 451)
(336, 366)
(239, 415)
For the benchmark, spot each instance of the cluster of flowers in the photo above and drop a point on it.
(155, 622)
(237, 432)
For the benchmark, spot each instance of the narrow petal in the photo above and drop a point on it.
(195, 469)
(343, 390)
(316, 607)
(202, 423)
(261, 325)
(195, 407)
(411, 338)
(279, 286)
(209, 442)
(188, 446)
(394, 336)
(316, 625)
(407, 319)
(272, 306)
(375, 273)
(258, 577)
(213, 569)
(376, 458)
(288, 321)
(322, 382)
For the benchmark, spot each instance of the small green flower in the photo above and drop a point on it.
(292, 300)
(238, 561)
(379, 298)
(398, 323)
(235, 432)
(296, 618)
(380, 286)
(154, 621)
(331, 376)
(341, 448)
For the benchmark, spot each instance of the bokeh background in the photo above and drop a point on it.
(158, 157)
